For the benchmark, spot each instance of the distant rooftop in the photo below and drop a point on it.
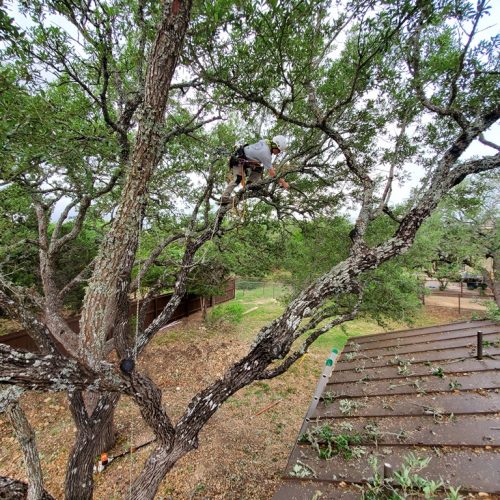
(422, 391)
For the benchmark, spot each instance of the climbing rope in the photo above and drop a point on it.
(136, 335)
(214, 230)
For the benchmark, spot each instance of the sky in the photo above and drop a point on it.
(402, 192)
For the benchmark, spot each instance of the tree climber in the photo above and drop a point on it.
(253, 159)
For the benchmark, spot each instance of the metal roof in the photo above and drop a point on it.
(422, 391)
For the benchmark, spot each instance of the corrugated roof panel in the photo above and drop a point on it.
(420, 391)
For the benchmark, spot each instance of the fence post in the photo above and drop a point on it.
(479, 344)
(459, 310)
(387, 471)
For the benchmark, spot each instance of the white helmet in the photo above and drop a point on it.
(281, 141)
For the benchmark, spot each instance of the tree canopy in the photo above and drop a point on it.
(117, 119)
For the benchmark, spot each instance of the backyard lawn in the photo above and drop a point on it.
(244, 448)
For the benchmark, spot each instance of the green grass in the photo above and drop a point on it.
(269, 308)
(262, 305)
(264, 291)
(266, 300)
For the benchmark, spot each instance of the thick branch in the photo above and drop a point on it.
(290, 360)
(110, 283)
(26, 437)
(148, 398)
(54, 373)
(14, 304)
(275, 340)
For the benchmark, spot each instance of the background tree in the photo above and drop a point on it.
(463, 231)
(208, 279)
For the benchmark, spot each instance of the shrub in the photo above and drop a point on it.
(493, 311)
(231, 312)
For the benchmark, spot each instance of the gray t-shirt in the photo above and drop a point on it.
(261, 152)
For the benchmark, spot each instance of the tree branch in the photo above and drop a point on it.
(490, 144)
(152, 258)
(82, 276)
(290, 360)
(15, 305)
(148, 397)
(414, 67)
(54, 373)
(454, 87)
(26, 437)
(57, 244)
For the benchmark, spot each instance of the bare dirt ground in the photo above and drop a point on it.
(452, 302)
(242, 453)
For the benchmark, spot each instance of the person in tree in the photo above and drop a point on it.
(251, 160)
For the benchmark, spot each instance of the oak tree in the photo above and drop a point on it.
(366, 91)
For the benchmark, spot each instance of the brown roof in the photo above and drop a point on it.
(420, 391)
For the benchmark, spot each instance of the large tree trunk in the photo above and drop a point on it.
(90, 442)
(494, 281)
(159, 463)
(112, 273)
(109, 287)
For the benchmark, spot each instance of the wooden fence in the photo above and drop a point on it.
(190, 304)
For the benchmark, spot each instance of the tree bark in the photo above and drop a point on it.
(89, 443)
(496, 280)
(492, 278)
(159, 463)
(12, 489)
(204, 304)
(57, 326)
(106, 436)
(26, 437)
(108, 289)
(79, 484)
(112, 272)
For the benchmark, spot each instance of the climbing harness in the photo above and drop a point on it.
(238, 157)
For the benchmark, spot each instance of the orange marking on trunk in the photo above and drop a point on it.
(176, 7)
